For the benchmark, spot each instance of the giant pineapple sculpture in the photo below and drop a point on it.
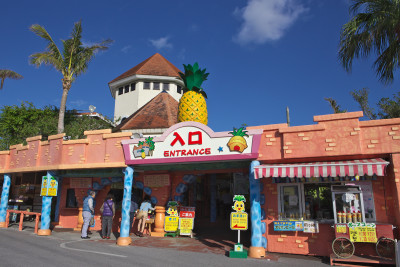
(192, 105)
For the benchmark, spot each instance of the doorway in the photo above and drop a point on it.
(212, 196)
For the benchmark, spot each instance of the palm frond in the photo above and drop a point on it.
(387, 62)
(373, 28)
(46, 58)
(8, 74)
(51, 46)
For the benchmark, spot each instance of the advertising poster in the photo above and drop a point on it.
(288, 226)
(171, 223)
(362, 232)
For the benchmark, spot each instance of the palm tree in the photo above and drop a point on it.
(374, 28)
(4, 74)
(72, 61)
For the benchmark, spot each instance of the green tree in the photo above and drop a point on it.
(334, 105)
(387, 107)
(20, 122)
(8, 74)
(72, 61)
(374, 28)
(361, 97)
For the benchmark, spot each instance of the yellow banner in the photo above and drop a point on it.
(186, 223)
(362, 232)
(171, 223)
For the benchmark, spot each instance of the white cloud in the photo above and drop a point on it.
(126, 48)
(161, 43)
(267, 20)
(76, 104)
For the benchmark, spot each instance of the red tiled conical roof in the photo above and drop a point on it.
(160, 112)
(155, 65)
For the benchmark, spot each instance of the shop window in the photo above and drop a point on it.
(120, 91)
(291, 201)
(156, 86)
(318, 202)
(71, 199)
(348, 204)
(126, 89)
(133, 86)
(146, 85)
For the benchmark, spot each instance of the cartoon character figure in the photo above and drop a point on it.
(237, 142)
(44, 181)
(239, 203)
(173, 208)
(52, 182)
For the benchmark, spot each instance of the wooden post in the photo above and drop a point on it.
(80, 220)
(159, 222)
(37, 222)
(21, 220)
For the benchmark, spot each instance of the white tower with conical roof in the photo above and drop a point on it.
(137, 86)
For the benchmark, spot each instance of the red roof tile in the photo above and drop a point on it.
(160, 112)
(155, 65)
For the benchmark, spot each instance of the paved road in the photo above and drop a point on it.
(66, 249)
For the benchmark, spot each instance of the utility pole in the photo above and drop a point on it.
(287, 116)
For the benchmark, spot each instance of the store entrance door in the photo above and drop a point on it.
(212, 195)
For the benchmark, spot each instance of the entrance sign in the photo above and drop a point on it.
(191, 142)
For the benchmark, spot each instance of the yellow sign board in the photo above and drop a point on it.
(341, 228)
(239, 221)
(362, 232)
(186, 224)
(171, 223)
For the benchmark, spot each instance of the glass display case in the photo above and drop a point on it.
(348, 204)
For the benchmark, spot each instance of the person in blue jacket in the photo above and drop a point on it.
(87, 213)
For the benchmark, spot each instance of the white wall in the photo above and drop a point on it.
(128, 103)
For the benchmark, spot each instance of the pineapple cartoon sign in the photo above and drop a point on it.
(237, 142)
(239, 219)
(49, 186)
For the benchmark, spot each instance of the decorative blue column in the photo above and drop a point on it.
(124, 239)
(46, 211)
(256, 249)
(213, 198)
(4, 199)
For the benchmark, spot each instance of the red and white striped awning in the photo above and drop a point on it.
(323, 169)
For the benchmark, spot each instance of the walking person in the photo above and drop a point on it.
(134, 208)
(143, 214)
(87, 212)
(108, 213)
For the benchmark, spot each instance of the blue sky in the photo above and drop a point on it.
(262, 55)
